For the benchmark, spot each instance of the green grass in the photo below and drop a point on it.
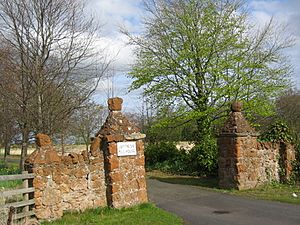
(273, 192)
(144, 214)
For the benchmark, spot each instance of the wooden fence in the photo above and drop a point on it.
(14, 209)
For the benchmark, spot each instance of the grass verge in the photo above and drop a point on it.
(273, 191)
(144, 214)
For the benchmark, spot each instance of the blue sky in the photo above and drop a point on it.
(128, 13)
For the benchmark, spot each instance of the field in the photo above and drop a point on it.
(16, 150)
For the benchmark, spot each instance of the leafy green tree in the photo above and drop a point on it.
(200, 55)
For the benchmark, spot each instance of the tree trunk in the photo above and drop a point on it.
(24, 147)
(204, 129)
(6, 150)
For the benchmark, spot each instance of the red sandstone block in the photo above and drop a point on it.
(115, 188)
(141, 183)
(43, 140)
(74, 158)
(39, 183)
(52, 156)
(97, 160)
(114, 138)
(57, 178)
(116, 177)
(115, 104)
(95, 146)
(142, 196)
(140, 161)
(47, 171)
(113, 163)
(241, 168)
(112, 148)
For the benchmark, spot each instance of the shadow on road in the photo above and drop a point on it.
(207, 182)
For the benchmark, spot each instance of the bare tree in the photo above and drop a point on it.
(87, 120)
(55, 64)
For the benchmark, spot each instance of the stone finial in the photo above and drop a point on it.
(115, 104)
(43, 140)
(236, 106)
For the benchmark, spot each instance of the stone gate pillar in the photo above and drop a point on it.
(238, 161)
(123, 148)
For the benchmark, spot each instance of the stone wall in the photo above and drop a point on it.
(100, 177)
(73, 182)
(246, 163)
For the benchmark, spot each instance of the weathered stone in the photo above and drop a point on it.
(243, 161)
(116, 177)
(236, 107)
(115, 138)
(142, 195)
(43, 140)
(135, 136)
(39, 183)
(113, 163)
(52, 156)
(51, 196)
(67, 160)
(74, 158)
(95, 146)
(115, 104)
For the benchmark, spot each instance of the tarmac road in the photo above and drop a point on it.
(201, 207)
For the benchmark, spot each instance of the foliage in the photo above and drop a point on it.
(204, 157)
(160, 152)
(5, 170)
(145, 214)
(279, 131)
(296, 163)
(200, 160)
(199, 55)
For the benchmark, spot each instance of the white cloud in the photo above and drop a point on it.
(285, 13)
(114, 13)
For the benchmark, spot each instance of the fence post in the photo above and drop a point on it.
(26, 195)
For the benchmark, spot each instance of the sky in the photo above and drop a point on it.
(114, 14)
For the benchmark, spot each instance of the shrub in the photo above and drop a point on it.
(5, 170)
(204, 157)
(201, 160)
(160, 152)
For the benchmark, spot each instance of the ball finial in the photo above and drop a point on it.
(236, 106)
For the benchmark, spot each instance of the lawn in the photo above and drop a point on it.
(273, 192)
(144, 214)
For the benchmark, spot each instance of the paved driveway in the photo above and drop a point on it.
(198, 206)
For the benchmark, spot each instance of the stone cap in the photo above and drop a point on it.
(43, 140)
(117, 124)
(236, 106)
(236, 123)
(115, 104)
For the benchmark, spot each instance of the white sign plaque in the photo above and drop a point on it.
(126, 148)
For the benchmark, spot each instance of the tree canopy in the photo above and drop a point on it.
(197, 56)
